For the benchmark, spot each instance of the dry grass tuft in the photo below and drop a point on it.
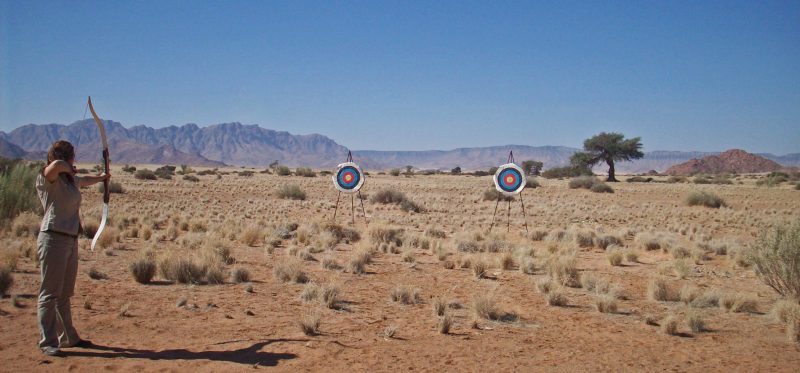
(657, 290)
(445, 324)
(309, 323)
(143, 270)
(405, 295)
(556, 298)
(6, 281)
(240, 275)
(290, 270)
(695, 322)
(614, 257)
(606, 304)
(484, 306)
(669, 325)
(564, 270)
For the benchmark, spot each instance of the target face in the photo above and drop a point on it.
(509, 179)
(348, 177)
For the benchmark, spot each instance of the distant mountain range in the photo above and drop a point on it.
(250, 145)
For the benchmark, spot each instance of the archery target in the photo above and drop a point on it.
(348, 177)
(509, 179)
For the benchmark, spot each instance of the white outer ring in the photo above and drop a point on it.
(521, 184)
(358, 186)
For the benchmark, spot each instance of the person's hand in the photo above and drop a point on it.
(105, 176)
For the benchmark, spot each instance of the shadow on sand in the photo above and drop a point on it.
(248, 355)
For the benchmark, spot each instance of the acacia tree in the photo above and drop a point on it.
(609, 148)
(532, 167)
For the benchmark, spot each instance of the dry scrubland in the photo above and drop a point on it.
(235, 277)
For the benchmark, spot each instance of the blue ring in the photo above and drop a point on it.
(501, 180)
(352, 184)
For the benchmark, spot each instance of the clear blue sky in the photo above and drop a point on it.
(416, 75)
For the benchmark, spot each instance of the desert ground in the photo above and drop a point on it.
(412, 291)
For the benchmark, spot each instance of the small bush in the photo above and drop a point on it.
(145, 174)
(614, 257)
(405, 295)
(493, 195)
(143, 270)
(394, 172)
(556, 298)
(309, 324)
(601, 188)
(445, 323)
(113, 187)
(387, 196)
(669, 325)
(484, 306)
(291, 191)
(240, 275)
(544, 285)
(357, 264)
(583, 182)
(775, 257)
(283, 171)
(290, 270)
(94, 274)
(17, 191)
(305, 172)
(706, 199)
(179, 269)
(191, 178)
(657, 290)
(606, 304)
(695, 322)
(564, 270)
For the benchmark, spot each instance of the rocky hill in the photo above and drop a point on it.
(731, 161)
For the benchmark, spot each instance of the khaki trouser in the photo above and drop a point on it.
(58, 254)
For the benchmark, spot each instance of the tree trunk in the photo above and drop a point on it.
(611, 177)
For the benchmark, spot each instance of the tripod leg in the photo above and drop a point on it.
(495, 213)
(508, 221)
(524, 216)
(353, 207)
(337, 205)
(362, 208)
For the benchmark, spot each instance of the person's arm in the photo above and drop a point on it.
(55, 168)
(91, 180)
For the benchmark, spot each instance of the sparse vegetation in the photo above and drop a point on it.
(776, 259)
(706, 199)
(143, 270)
(291, 191)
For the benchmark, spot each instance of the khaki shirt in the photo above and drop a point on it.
(61, 201)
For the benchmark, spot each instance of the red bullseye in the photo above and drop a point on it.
(348, 177)
(510, 180)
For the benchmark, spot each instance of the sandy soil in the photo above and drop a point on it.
(225, 328)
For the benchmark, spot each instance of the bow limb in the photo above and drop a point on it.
(107, 165)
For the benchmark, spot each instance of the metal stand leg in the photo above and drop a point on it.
(508, 221)
(337, 205)
(353, 207)
(524, 216)
(362, 208)
(495, 214)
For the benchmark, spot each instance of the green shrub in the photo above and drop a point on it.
(677, 179)
(706, 199)
(145, 174)
(394, 172)
(639, 179)
(18, 191)
(776, 259)
(191, 178)
(165, 172)
(532, 183)
(569, 171)
(291, 191)
(601, 188)
(283, 171)
(245, 173)
(129, 169)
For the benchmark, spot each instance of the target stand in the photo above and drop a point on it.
(509, 180)
(349, 179)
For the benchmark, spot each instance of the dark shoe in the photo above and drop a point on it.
(52, 351)
(83, 343)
